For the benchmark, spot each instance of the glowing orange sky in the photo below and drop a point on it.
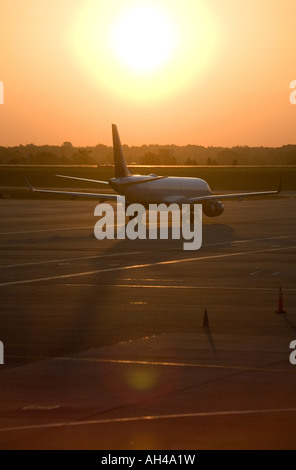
(225, 80)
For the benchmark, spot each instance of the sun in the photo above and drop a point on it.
(142, 51)
(144, 38)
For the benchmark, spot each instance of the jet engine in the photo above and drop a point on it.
(212, 208)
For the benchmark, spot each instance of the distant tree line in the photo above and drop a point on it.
(67, 154)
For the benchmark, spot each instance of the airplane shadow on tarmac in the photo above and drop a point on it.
(112, 313)
(69, 315)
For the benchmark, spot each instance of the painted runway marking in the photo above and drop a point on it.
(132, 253)
(147, 286)
(248, 240)
(148, 418)
(65, 260)
(149, 363)
(262, 239)
(146, 265)
(170, 364)
(234, 242)
(61, 229)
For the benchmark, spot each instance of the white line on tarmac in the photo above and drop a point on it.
(169, 364)
(81, 258)
(138, 252)
(148, 418)
(148, 363)
(262, 239)
(248, 240)
(59, 229)
(147, 265)
(151, 286)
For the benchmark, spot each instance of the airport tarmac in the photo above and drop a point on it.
(103, 347)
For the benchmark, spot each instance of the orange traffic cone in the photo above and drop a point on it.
(280, 308)
(205, 323)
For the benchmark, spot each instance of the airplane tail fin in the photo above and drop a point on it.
(121, 169)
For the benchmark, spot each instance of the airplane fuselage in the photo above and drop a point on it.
(150, 189)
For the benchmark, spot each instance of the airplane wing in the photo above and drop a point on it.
(229, 196)
(82, 179)
(101, 197)
(233, 195)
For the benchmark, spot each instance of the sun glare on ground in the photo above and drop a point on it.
(143, 50)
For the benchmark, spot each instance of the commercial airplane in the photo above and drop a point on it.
(153, 189)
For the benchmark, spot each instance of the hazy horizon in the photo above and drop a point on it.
(149, 145)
